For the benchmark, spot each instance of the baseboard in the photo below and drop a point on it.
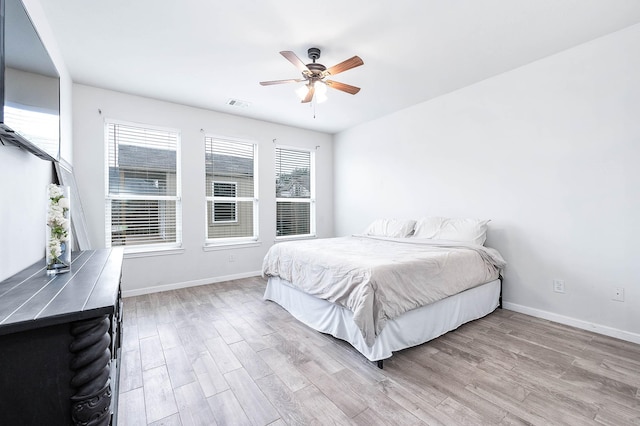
(185, 284)
(584, 325)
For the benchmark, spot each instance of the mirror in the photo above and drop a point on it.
(31, 84)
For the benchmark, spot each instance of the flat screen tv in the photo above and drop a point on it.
(29, 86)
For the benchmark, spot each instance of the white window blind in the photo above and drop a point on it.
(232, 190)
(143, 205)
(225, 211)
(295, 192)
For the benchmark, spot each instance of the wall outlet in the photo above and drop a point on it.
(618, 294)
(558, 286)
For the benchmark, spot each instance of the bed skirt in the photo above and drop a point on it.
(410, 329)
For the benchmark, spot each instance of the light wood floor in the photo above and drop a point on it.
(219, 354)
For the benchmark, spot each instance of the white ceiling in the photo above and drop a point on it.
(204, 52)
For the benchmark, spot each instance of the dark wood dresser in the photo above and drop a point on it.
(60, 343)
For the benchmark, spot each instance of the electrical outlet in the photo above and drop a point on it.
(558, 286)
(232, 258)
(618, 294)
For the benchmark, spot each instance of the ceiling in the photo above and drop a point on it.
(204, 52)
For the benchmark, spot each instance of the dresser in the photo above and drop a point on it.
(60, 338)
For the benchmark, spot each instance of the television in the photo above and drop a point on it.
(29, 86)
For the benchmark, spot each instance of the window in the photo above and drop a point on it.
(143, 206)
(295, 192)
(225, 212)
(232, 190)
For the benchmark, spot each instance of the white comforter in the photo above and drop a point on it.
(381, 278)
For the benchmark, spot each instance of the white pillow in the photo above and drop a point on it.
(395, 228)
(454, 229)
(429, 227)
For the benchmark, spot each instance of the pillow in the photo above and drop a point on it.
(395, 228)
(454, 229)
(429, 227)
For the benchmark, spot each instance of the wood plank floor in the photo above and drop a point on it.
(219, 354)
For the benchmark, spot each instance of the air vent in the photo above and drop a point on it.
(238, 103)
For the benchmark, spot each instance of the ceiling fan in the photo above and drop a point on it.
(316, 74)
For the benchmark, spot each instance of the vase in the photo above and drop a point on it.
(58, 249)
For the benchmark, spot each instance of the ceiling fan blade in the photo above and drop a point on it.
(312, 90)
(292, 80)
(345, 65)
(342, 86)
(291, 57)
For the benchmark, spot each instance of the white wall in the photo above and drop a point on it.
(24, 177)
(549, 152)
(193, 266)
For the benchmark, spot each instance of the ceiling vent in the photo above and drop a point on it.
(238, 103)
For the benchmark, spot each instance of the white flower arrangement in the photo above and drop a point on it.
(58, 250)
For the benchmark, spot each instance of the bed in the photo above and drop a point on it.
(397, 285)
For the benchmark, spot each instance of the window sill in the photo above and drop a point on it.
(295, 237)
(135, 252)
(230, 245)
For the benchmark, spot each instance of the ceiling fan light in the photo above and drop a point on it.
(321, 88)
(321, 97)
(302, 91)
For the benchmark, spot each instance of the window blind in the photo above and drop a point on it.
(143, 206)
(230, 181)
(295, 192)
(225, 211)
